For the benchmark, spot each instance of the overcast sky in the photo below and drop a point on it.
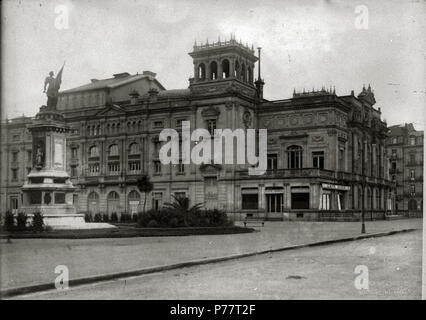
(306, 44)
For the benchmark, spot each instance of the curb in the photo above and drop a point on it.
(113, 276)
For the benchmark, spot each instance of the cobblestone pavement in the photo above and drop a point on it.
(32, 261)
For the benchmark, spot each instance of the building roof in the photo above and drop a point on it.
(119, 79)
(405, 128)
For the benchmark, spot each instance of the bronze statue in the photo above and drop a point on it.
(53, 88)
(39, 157)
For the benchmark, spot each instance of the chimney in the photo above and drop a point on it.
(121, 75)
(134, 95)
(149, 74)
(153, 93)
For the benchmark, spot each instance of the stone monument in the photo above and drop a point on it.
(48, 188)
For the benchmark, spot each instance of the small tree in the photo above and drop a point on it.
(180, 205)
(38, 222)
(145, 185)
(9, 221)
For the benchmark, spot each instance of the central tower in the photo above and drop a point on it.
(223, 61)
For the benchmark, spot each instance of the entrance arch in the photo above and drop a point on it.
(113, 202)
(93, 203)
(134, 199)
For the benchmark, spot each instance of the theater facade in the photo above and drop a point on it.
(326, 153)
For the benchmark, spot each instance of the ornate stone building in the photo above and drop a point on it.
(326, 153)
(405, 149)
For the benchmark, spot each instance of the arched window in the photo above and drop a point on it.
(213, 70)
(93, 151)
(113, 150)
(134, 148)
(113, 128)
(113, 202)
(202, 71)
(237, 69)
(250, 74)
(225, 69)
(134, 202)
(243, 73)
(93, 202)
(294, 154)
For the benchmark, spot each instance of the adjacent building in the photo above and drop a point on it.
(405, 150)
(326, 153)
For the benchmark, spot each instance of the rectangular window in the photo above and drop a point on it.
(14, 204)
(15, 156)
(158, 124)
(325, 201)
(341, 159)
(272, 161)
(94, 169)
(73, 171)
(318, 159)
(211, 126)
(157, 167)
(413, 188)
(14, 174)
(412, 158)
(114, 167)
(249, 201)
(412, 141)
(75, 199)
(412, 174)
(74, 153)
(134, 166)
(180, 195)
(157, 199)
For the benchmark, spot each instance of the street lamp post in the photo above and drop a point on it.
(363, 183)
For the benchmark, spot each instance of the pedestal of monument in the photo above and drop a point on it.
(48, 188)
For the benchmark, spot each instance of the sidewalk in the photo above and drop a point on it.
(26, 262)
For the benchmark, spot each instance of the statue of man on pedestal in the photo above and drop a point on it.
(53, 88)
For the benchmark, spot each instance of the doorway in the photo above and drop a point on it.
(274, 203)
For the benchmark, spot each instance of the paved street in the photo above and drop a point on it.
(32, 261)
(325, 272)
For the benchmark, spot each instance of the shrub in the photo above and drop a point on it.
(9, 221)
(105, 217)
(88, 217)
(145, 218)
(37, 223)
(173, 222)
(114, 217)
(21, 220)
(134, 217)
(98, 217)
(152, 224)
(217, 218)
(124, 217)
